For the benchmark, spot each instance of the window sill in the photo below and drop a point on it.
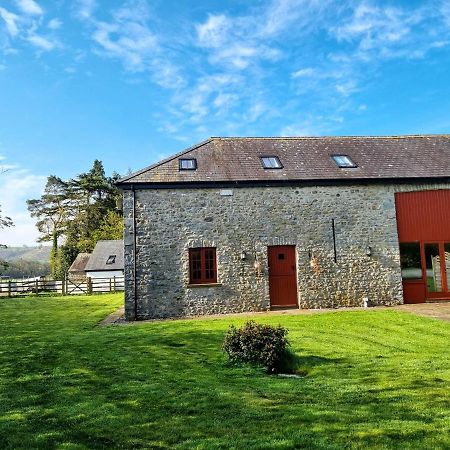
(203, 285)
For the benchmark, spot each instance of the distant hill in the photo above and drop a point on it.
(39, 254)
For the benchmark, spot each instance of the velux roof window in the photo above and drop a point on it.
(271, 162)
(343, 161)
(111, 259)
(187, 164)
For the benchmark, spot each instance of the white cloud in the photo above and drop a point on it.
(85, 8)
(256, 110)
(246, 45)
(234, 41)
(17, 185)
(445, 11)
(213, 32)
(167, 74)
(346, 87)
(41, 42)
(306, 72)
(241, 56)
(385, 32)
(224, 101)
(10, 20)
(130, 42)
(283, 15)
(266, 61)
(26, 27)
(54, 24)
(196, 106)
(329, 84)
(212, 93)
(29, 7)
(128, 38)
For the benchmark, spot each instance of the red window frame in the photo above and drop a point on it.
(202, 265)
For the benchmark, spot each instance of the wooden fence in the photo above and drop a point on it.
(86, 286)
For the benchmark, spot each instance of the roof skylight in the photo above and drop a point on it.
(271, 162)
(187, 164)
(343, 161)
(111, 259)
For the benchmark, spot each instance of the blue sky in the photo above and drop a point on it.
(130, 82)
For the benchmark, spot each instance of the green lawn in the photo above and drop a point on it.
(376, 379)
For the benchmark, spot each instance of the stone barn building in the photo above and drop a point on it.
(251, 224)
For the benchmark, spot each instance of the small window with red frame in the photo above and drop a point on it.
(202, 265)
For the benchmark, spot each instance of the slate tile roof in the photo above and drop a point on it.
(238, 159)
(102, 251)
(79, 264)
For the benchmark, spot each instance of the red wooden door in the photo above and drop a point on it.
(282, 276)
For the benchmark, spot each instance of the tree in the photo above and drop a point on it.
(95, 196)
(111, 227)
(5, 222)
(66, 256)
(53, 211)
(23, 268)
(77, 213)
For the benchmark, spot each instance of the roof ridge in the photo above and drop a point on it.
(399, 136)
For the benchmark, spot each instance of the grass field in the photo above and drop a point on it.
(376, 379)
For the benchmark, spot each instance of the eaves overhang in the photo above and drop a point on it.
(124, 185)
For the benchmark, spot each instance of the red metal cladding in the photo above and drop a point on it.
(423, 215)
(282, 275)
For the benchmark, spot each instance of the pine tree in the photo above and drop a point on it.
(78, 212)
(95, 196)
(53, 211)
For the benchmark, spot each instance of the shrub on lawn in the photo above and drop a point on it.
(258, 344)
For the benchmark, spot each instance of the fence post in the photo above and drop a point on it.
(89, 285)
(9, 288)
(63, 285)
(114, 283)
(36, 287)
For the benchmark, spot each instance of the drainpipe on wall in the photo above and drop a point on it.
(134, 254)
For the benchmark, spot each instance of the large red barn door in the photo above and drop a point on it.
(423, 222)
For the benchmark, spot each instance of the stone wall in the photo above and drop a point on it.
(170, 221)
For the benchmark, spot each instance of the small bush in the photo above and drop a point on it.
(258, 344)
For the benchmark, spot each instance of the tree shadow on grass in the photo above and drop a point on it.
(294, 364)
